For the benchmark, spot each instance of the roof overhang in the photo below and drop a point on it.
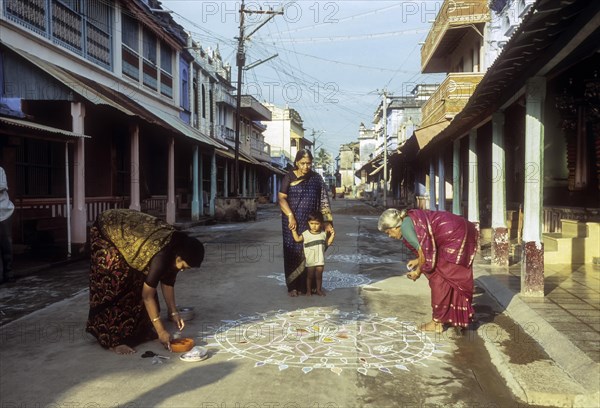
(99, 94)
(426, 134)
(36, 130)
(377, 170)
(272, 168)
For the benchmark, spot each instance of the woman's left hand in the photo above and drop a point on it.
(414, 275)
(292, 225)
(179, 322)
(329, 228)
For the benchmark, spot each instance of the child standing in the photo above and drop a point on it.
(315, 242)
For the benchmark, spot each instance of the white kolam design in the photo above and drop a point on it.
(319, 339)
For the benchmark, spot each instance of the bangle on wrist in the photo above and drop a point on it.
(290, 214)
(175, 314)
(155, 319)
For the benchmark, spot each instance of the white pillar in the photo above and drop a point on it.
(79, 213)
(171, 206)
(498, 171)
(456, 190)
(213, 184)
(441, 182)
(195, 200)
(532, 267)
(473, 211)
(134, 182)
(245, 181)
(201, 184)
(432, 205)
(226, 179)
(500, 233)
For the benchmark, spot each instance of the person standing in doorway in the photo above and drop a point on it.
(6, 210)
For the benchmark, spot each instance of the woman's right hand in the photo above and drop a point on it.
(412, 264)
(165, 338)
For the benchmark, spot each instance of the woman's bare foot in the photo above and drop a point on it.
(321, 292)
(123, 349)
(432, 326)
(293, 293)
(308, 293)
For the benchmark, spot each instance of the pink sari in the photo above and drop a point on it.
(449, 244)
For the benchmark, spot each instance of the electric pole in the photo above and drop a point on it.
(316, 135)
(385, 172)
(240, 60)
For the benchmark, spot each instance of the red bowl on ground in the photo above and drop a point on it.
(182, 345)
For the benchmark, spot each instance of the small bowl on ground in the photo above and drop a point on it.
(182, 345)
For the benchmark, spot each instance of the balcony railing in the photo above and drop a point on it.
(453, 14)
(223, 97)
(226, 133)
(260, 150)
(66, 24)
(253, 109)
(450, 98)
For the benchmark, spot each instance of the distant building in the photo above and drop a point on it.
(285, 133)
(349, 155)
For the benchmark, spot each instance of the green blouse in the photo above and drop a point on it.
(407, 228)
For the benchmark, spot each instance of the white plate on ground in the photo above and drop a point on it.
(197, 353)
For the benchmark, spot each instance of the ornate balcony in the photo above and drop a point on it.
(451, 24)
(450, 98)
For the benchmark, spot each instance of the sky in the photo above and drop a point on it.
(334, 58)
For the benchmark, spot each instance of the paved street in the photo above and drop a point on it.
(356, 347)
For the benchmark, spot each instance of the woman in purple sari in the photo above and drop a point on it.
(302, 192)
(445, 245)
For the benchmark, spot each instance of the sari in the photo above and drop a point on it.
(304, 196)
(449, 244)
(122, 244)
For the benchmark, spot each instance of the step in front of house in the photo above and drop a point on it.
(573, 228)
(550, 240)
(560, 250)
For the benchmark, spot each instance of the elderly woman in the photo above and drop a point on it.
(444, 245)
(131, 253)
(302, 192)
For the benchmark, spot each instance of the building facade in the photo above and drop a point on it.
(109, 104)
(521, 154)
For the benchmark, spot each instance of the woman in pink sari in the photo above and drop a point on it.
(445, 245)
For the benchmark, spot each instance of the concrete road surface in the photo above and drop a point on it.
(356, 347)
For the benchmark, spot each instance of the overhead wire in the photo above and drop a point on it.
(288, 68)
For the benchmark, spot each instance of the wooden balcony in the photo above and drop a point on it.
(450, 98)
(452, 22)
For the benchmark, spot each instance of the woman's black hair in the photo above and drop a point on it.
(302, 153)
(316, 216)
(188, 248)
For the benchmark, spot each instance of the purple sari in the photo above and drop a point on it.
(449, 244)
(304, 195)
